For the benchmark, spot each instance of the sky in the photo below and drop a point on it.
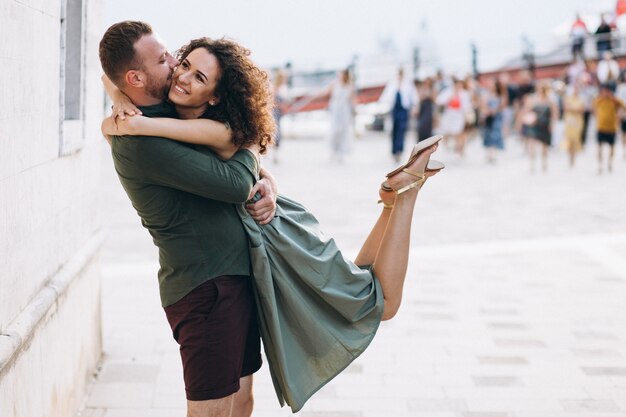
(327, 34)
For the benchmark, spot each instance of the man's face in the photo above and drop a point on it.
(156, 63)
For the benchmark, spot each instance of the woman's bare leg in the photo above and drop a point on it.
(391, 260)
(544, 156)
(369, 250)
(531, 153)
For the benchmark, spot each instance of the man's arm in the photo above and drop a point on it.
(167, 163)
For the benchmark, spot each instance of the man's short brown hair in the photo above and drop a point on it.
(117, 49)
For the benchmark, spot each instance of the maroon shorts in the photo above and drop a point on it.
(216, 328)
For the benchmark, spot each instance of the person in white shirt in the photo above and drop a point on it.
(608, 71)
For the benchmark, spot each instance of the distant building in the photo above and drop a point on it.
(51, 104)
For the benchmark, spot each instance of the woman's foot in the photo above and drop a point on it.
(413, 174)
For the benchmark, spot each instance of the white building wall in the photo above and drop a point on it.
(50, 228)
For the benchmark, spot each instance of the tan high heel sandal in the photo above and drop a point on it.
(433, 166)
(415, 153)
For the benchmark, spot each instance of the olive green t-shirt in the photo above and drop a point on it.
(186, 196)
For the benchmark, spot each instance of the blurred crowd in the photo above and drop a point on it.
(583, 104)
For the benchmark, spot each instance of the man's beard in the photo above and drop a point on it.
(157, 90)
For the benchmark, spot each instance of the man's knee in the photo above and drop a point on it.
(244, 398)
(244, 404)
(221, 407)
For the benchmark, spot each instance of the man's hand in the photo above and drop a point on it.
(263, 210)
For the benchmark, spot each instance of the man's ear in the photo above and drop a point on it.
(134, 78)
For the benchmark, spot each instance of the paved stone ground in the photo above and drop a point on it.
(515, 303)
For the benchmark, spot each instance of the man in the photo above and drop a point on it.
(186, 199)
(606, 107)
(603, 37)
(401, 99)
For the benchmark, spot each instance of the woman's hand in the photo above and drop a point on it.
(122, 107)
(116, 126)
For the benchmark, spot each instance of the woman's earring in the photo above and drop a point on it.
(212, 103)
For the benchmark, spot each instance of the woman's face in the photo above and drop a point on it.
(195, 79)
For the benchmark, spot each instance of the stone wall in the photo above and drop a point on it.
(50, 223)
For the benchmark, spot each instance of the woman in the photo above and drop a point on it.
(341, 108)
(309, 285)
(573, 118)
(279, 93)
(457, 105)
(538, 116)
(492, 104)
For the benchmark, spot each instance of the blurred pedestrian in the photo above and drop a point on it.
(456, 105)
(525, 87)
(603, 37)
(493, 101)
(588, 92)
(573, 120)
(608, 71)
(426, 113)
(575, 70)
(341, 107)
(621, 95)
(540, 113)
(578, 33)
(557, 94)
(508, 111)
(400, 97)
(526, 84)
(279, 94)
(606, 107)
(472, 114)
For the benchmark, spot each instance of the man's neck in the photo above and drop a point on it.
(139, 98)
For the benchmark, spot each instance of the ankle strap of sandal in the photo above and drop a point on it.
(421, 179)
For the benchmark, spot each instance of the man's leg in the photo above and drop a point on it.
(212, 325)
(221, 407)
(599, 157)
(243, 403)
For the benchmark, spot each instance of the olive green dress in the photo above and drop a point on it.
(317, 311)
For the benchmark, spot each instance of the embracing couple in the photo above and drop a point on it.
(237, 261)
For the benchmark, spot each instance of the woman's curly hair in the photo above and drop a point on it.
(245, 101)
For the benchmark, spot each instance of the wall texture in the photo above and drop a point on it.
(50, 228)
